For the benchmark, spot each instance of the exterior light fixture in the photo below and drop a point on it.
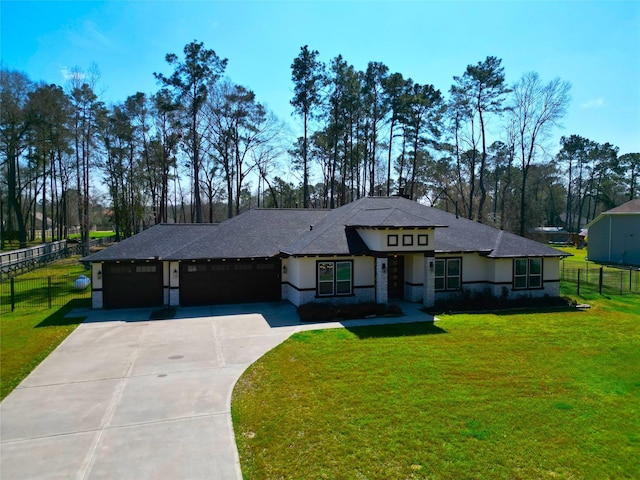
(99, 274)
(431, 266)
(384, 267)
(284, 269)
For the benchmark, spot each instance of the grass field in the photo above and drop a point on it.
(93, 235)
(15, 245)
(531, 395)
(27, 336)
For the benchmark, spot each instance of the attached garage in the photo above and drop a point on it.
(132, 284)
(229, 281)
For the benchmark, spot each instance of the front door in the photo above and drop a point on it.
(395, 281)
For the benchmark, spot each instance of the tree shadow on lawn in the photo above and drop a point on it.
(58, 317)
(395, 330)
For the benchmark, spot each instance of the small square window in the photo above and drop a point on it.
(392, 240)
(407, 240)
(423, 239)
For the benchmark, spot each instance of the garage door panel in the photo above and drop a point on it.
(132, 285)
(220, 282)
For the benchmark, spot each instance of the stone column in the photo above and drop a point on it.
(382, 280)
(429, 288)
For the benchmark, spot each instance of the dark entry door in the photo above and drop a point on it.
(395, 285)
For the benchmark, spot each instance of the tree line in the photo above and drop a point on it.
(202, 148)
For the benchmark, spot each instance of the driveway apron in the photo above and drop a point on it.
(124, 397)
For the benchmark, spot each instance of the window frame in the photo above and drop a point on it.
(336, 284)
(446, 277)
(407, 240)
(527, 280)
(392, 240)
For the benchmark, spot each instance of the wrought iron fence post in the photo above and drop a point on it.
(600, 282)
(49, 290)
(579, 281)
(13, 295)
(621, 280)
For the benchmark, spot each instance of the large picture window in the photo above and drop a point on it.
(448, 274)
(527, 273)
(335, 278)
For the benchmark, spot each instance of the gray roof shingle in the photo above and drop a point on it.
(270, 232)
(632, 206)
(255, 233)
(159, 241)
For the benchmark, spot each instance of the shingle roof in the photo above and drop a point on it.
(632, 206)
(256, 233)
(270, 232)
(159, 241)
(329, 236)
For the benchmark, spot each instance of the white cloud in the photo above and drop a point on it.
(595, 103)
(71, 73)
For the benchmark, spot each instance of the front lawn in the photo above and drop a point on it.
(28, 335)
(529, 395)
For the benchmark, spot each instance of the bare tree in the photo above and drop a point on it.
(536, 108)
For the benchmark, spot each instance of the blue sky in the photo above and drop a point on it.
(593, 45)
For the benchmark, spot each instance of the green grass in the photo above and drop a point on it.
(27, 336)
(93, 235)
(15, 244)
(531, 395)
(68, 266)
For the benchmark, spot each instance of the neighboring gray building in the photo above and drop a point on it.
(614, 236)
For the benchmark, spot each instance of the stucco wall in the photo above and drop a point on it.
(96, 285)
(172, 283)
(299, 283)
(377, 240)
(499, 278)
(414, 277)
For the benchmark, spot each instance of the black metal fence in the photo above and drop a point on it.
(16, 262)
(43, 292)
(608, 280)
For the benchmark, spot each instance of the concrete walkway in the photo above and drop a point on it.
(125, 397)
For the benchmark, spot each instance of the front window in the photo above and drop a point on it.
(448, 274)
(527, 273)
(335, 278)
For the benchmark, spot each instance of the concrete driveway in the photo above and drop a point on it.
(125, 397)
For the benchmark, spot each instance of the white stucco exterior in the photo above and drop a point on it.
(97, 299)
